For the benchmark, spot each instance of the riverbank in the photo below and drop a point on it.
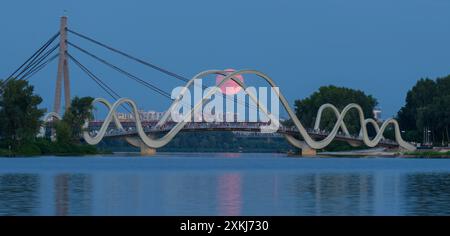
(428, 154)
(44, 147)
(79, 152)
(381, 152)
(47, 148)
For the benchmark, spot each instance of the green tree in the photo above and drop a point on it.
(306, 109)
(74, 117)
(417, 98)
(19, 113)
(427, 106)
(63, 133)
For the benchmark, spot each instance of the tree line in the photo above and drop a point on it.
(427, 106)
(21, 122)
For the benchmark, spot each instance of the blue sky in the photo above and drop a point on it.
(381, 47)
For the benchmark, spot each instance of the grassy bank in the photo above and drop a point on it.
(46, 147)
(428, 154)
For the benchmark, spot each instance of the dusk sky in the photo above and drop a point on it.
(381, 47)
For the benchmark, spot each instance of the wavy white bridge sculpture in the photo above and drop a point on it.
(308, 143)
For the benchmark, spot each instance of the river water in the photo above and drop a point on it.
(223, 184)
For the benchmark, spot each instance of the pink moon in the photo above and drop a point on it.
(229, 87)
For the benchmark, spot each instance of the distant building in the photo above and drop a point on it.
(143, 115)
(124, 116)
(150, 115)
(377, 113)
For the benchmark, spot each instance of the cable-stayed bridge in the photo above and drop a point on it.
(306, 139)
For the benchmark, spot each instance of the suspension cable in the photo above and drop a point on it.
(129, 75)
(153, 87)
(40, 67)
(98, 81)
(37, 62)
(179, 77)
(104, 86)
(33, 57)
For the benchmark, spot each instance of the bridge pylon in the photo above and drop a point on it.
(63, 69)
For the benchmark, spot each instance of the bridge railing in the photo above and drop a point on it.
(150, 127)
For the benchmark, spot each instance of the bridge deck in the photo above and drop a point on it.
(149, 128)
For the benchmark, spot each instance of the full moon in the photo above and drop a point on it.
(229, 87)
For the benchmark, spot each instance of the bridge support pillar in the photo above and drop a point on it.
(305, 149)
(147, 151)
(308, 152)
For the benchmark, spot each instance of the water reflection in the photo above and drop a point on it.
(73, 194)
(226, 192)
(229, 194)
(427, 194)
(188, 194)
(330, 194)
(19, 194)
(124, 194)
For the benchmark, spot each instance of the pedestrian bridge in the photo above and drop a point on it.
(306, 139)
(252, 127)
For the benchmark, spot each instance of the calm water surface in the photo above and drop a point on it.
(223, 184)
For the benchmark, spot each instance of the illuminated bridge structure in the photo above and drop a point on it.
(308, 140)
(247, 129)
(298, 136)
